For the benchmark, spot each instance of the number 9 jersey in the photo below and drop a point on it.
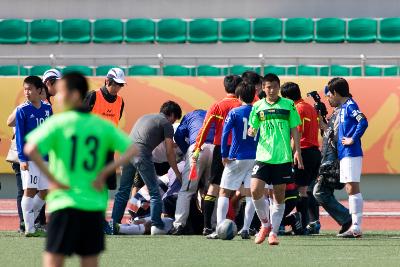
(77, 144)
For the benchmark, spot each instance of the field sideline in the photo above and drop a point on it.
(374, 249)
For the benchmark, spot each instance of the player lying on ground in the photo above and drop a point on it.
(77, 143)
(139, 226)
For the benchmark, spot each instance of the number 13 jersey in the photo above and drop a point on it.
(77, 144)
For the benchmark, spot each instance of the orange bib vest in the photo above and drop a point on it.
(108, 111)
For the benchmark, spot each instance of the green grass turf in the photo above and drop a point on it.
(374, 249)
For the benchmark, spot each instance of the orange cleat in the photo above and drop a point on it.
(273, 240)
(264, 232)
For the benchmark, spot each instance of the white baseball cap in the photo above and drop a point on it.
(117, 75)
(51, 74)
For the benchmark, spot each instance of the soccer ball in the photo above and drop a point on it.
(227, 230)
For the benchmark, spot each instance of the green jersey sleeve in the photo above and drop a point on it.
(294, 117)
(44, 136)
(120, 141)
(254, 121)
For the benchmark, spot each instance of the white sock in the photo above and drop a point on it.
(270, 205)
(277, 215)
(222, 209)
(131, 229)
(248, 213)
(37, 205)
(356, 203)
(27, 211)
(262, 210)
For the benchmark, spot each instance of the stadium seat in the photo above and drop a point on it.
(44, 31)
(84, 70)
(103, 70)
(203, 31)
(391, 71)
(330, 30)
(239, 69)
(278, 70)
(208, 70)
(107, 31)
(369, 71)
(389, 30)
(299, 30)
(38, 70)
(139, 31)
(267, 30)
(13, 31)
(171, 31)
(235, 30)
(12, 70)
(177, 70)
(336, 70)
(305, 70)
(361, 30)
(76, 31)
(142, 70)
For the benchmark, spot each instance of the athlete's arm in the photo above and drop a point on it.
(203, 133)
(20, 133)
(228, 125)
(362, 125)
(180, 135)
(32, 152)
(171, 156)
(122, 109)
(11, 119)
(297, 159)
(254, 123)
(112, 166)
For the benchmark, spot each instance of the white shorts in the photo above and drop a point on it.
(34, 178)
(237, 172)
(350, 169)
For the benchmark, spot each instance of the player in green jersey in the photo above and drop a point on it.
(77, 143)
(277, 119)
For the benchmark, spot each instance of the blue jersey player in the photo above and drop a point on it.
(239, 157)
(352, 126)
(29, 116)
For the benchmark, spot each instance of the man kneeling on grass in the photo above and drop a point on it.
(77, 143)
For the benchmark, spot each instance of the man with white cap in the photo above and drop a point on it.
(49, 79)
(106, 103)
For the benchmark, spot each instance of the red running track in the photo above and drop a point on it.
(382, 216)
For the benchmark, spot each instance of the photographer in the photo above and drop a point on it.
(328, 179)
(305, 178)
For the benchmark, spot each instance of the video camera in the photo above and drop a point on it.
(319, 105)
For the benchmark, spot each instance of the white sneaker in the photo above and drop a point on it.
(158, 231)
(354, 232)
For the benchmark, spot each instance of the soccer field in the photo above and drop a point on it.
(374, 249)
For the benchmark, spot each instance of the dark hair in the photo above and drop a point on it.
(291, 90)
(340, 86)
(246, 92)
(252, 77)
(35, 81)
(76, 82)
(231, 82)
(171, 108)
(270, 77)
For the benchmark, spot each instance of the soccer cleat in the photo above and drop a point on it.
(37, 233)
(281, 230)
(245, 234)
(260, 237)
(177, 230)
(252, 231)
(273, 239)
(108, 227)
(345, 227)
(207, 231)
(297, 225)
(313, 228)
(213, 235)
(351, 233)
(158, 231)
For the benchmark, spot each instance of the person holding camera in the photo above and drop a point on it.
(305, 178)
(328, 179)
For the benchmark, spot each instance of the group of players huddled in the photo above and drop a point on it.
(254, 151)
